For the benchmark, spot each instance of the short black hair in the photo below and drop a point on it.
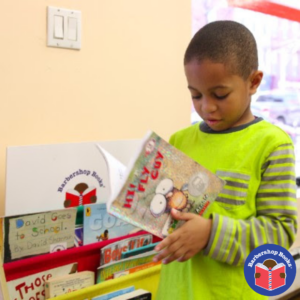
(226, 42)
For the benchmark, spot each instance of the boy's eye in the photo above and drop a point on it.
(196, 97)
(220, 97)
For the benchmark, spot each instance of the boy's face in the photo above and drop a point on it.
(221, 99)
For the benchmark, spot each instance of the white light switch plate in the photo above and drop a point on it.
(65, 34)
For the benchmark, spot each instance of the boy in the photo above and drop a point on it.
(258, 202)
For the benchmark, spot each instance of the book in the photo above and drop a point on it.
(39, 233)
(99, 225)
(106, 272)
(136, 269)
(60, 285)
(159, 178)
(270, 279)
(33, 286)
(114, 294)
(139, 294)
(139, 250)
(114, 251)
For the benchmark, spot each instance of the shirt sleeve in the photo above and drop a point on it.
(232, 240)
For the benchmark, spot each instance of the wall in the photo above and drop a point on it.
(127, 78)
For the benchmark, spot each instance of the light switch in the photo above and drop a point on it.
(72, 29)
(64, 28)
(58, 27)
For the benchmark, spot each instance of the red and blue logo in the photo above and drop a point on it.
(270, 270)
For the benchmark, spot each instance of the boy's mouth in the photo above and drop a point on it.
(212, 121)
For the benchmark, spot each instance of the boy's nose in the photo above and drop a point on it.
(208, 105)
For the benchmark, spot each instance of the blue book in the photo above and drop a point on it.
(98, 225)
(139, 250)
(114, 294)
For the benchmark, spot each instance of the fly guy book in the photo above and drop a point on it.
(159, 178)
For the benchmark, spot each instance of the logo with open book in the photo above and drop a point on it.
(270, 270)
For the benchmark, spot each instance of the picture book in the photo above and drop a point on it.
(136, 269)
(159, 178)
(33, 287)
(99, 225)
(60, 285)
(114, 294)
(55, 176)
(114, 251)
(106, 272)
(40, 233)
(140, 250)
(139, 294)
(270, 279)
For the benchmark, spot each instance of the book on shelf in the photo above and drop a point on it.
(33, 286)
(270, 279)
(140, 250)
(39, 233)
(99, 225)
(114, 294)
(60, 285)
(113, 252)
(159, 178)
(106, 272)
(139, 294)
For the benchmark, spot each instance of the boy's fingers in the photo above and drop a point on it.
(178, 215)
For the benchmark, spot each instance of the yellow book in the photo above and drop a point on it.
(69, 283)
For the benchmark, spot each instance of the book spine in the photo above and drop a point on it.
(270, 280)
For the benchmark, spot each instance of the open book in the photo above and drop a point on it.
(270, 279)
(159, 178)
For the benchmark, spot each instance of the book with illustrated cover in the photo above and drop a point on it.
(33, 286)
(270, 279)
(99, 225)
(159, 178)
(106, 272)
(139, 294)
(114, 251)
(114, 294)
(140, 250)
(39, 233)
(60, 285)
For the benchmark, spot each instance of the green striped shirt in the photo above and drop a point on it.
(256, 206)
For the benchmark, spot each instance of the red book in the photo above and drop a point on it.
(270, 279)
(77, 199)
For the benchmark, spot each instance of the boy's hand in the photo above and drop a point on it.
(185, 241)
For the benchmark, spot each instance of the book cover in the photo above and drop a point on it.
(106, 272)
(270, 279)
(114, 251)
(99, 225)
(114, 294)
(33, 286)
(40, 233)
(139, 294)
(140, 250)
(60, 285)
(159, 178)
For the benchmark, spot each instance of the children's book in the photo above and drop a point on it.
(114, 294)
(40, 233)
(139, 294)
(33, 286)
(270, 279)
(114, 251)
(140, 250)
(106, 272)
(99, 225)
(60, 285)
(159, 178)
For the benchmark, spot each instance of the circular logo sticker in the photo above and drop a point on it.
(270, 270)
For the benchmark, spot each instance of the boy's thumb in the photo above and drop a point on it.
(178, 215)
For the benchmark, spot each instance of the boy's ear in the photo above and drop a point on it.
(255, 80)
